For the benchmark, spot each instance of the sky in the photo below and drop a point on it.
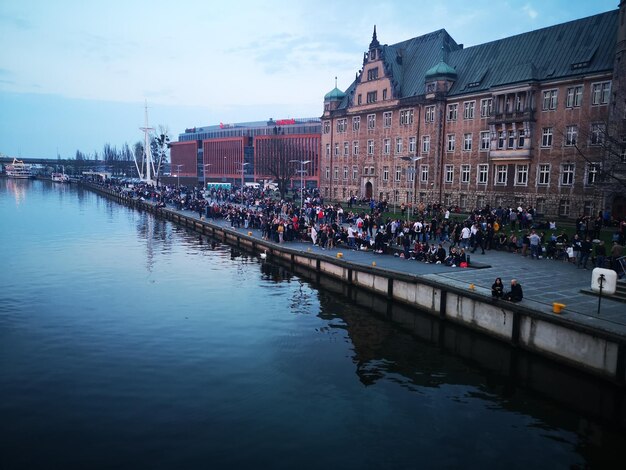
(75, 75)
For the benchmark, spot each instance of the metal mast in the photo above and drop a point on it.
(146, 146)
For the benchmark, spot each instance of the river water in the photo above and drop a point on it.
(128, 342)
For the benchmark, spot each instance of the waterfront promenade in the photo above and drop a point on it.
(544, 281)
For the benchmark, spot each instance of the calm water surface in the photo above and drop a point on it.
(127, 342)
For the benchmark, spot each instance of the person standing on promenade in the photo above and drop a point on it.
(535, 245)
(584, 252)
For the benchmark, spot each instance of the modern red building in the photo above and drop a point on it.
(246, 152)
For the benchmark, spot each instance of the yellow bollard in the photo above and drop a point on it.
(249, 234)
(373, 263)
(557, 307)
(472, 286)
(339, 255)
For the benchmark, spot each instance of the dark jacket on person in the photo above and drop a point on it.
(516, 294)
(497, 290)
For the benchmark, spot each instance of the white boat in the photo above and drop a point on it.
(18, 169)
(60, 178)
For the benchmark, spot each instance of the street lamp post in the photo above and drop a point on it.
(204, 174)
(178, 167)
(301, 171)
(412, 160)
(243, 165)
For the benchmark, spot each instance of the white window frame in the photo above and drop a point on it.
(521, 175)
(370, 147)
(468, 109)
(592, 171)
(355, 147)
(451, 143)
(412, 145)
(571, 135)
(406, 117)
(547, 135)
(485, 140)
(466, 172)
(356, 123)
(453, 111)
(429, 114)
(597, 134)
(386, 146)
(399, 145)
(486, 107)
(385, 173)
(482, 173)
(501, 175)
(467, 142)
(543, 174)
(600, 93)
(371, 122)
(424, 173)
(449, 174)
(574, 97)
(387, 117)
(425, 144)
(549, 102)
(326, 127)
(568, 174)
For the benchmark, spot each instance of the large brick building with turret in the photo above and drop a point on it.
(535, 120)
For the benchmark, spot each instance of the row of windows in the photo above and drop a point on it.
(506, 139)
(600, 94)
(500, 177)
(406, 119)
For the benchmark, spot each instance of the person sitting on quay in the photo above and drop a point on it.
(497, 289)
(515, 294)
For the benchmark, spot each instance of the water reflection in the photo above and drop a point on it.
(17, 188)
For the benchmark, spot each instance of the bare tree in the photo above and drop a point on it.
(278, 160)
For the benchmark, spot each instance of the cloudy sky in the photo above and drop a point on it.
(74, 75)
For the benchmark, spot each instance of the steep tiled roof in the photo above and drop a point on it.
(569, 49)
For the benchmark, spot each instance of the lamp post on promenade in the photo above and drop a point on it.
(243, 165)
(301, 171)
(178, 167)
(204, 174)
(412, 160)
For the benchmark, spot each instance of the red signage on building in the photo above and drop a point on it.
(285, 122)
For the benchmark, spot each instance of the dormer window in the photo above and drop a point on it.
(373, 54)
(372, 74)
(430, 87)
(372, 97)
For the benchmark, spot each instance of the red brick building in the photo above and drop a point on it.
(524, 120)
(226, 153)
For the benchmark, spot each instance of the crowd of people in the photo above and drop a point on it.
(432, 234)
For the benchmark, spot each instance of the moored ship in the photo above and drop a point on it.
(60, 178)
(18, 169)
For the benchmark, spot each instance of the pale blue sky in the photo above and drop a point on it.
(75, 74)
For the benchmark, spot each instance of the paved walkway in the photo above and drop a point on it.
(543, 281)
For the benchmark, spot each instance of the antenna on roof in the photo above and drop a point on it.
(335, 81)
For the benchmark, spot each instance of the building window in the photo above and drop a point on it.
(571, 135)
(449, 173)
(412, 145)
(372, 96)
(521, 175)
(546, 137)
(519, 103)
(424, 173)
(425, 143)
(468, 109)
(567, 174)
(451, 142)
(574, 97)
(355, 147)
(371, 121)
(346, 149)
(549, 100)
(543, 175)
(483, 173)
(372, 74)
(501, 139)
(398, 144)
(370, 147)
(359, 99)
(384, 94)
(326, 127)
(328, 150)
(597, 134)
(356, 123)
(484, 140)
(452, 111)
(398, 173)
(336, 150)
(521, 137)
(345, 172)
(386, 146)
(327, 173)
(592, 173)
(501, 174)
(429, 114)
(406, 117)
(564, 207)
(387, 119)
(465, 173)
(511, 139)
(335, 173)
(341, 126)
(355, 172)
(486, 107)
(600, 93)
(467, 142)
(385, 173)
(431, 87)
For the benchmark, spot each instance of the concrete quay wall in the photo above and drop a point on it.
(594, 350)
